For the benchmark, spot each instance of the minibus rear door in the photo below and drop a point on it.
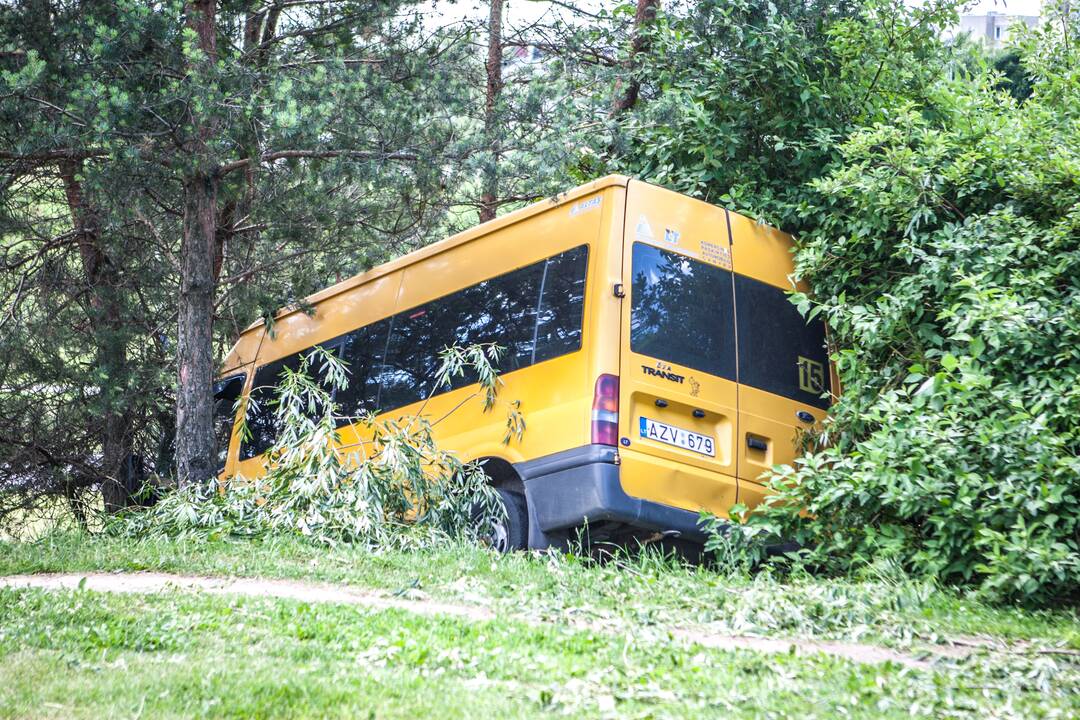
(678, 397)
(784, 370)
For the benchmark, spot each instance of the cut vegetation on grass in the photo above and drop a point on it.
(460, 632)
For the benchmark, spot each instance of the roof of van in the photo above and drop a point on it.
(452, 241)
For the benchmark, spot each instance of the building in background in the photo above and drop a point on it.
(992, 29)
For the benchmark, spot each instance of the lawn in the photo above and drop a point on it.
(568, 637)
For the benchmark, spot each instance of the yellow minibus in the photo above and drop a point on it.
(659, 365)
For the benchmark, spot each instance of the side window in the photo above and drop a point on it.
(226, 393)
(362, 350)
(501, 310)
(262, 412)
(534, 312)
(262, 420)
(779, 351)
(562, 305)
(405, 375)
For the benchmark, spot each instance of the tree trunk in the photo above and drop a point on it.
(626, 93)
(106, 323)
(194, 345)
(488, 202)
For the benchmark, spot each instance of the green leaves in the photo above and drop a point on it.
(398, 489)
(939, 227)
(937, 249)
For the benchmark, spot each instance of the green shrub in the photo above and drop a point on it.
(944, 252)
(397, 490)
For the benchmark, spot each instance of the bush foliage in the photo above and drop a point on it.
(396, 490)
(944, 252)
(936, 206)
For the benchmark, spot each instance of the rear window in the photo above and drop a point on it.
(681, 311)
(779, 351)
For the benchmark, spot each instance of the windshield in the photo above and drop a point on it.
(681, 311)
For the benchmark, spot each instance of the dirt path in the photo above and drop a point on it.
(148, 582)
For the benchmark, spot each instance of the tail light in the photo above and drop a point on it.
(605, 411)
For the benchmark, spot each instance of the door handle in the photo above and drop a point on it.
(756, 443)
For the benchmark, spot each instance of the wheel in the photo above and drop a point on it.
(512, 531)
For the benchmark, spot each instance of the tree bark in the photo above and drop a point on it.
(194, 346)
(626, 93)
(488, 203)
(106, 323)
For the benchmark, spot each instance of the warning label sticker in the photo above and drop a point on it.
(716, 254)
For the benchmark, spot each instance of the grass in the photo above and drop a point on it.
(79, 654)
(885, 607)
(83, 654)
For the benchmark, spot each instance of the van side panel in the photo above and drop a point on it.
(554, 396)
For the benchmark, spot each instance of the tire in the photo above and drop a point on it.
(511, 532)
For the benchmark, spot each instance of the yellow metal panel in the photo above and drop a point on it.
(243, 352)
(751, 494)
(555, 399)
(772, 420)
(716, 398)
(556, 412)
(555, 396)
(676, 483)
(603, 314)
(762, 252)
(336, 316)
(675, 222)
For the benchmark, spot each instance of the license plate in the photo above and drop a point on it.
(671, 435)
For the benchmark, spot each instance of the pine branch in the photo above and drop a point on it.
(317, 154)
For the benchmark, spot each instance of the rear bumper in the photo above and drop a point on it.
(582, 485)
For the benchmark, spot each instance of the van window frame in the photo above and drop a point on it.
(339, 342)
(586, 250)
